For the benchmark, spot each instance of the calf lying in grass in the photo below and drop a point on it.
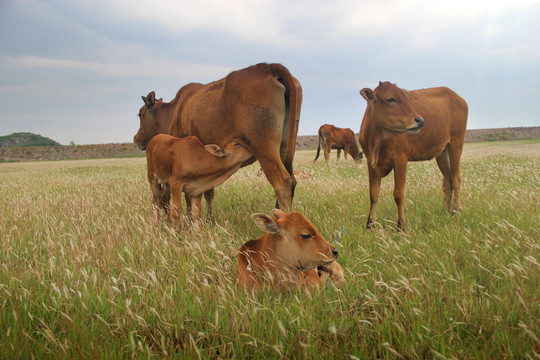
(177, 165)
(287, 254)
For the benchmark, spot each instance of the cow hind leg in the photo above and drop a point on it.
(327, 154)
(281, 180)
(454, 153)
(443, 161)
(165, 198)
(156, 198)
(338, 154)
(209, 198)
(195, 214)
(176, 201)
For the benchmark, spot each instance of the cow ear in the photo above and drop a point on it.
(215, 150)
(277, 214)
(367, 94)
(150, 99)
(266, 223)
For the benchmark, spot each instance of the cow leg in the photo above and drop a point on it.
(443, 161)
(289, 168)
(280, 179)
(374, 186)
(209, 197)
(454, 152)
(400, 175)
(338, 154)
(156, 198)
(327, 150)
(195, 214)
(188, 204)
(176, 201)
(166, 197)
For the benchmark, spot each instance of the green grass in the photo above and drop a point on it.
(85, 273)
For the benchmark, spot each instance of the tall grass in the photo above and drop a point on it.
(86, 273)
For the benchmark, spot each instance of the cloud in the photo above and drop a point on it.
(150, 68)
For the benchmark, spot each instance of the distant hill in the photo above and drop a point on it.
(25, 139)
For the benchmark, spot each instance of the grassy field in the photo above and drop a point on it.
(85, 273)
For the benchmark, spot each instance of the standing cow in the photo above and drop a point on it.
(438, 117)
(259, 105)
(332, 137)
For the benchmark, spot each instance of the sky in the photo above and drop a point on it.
(75, 70)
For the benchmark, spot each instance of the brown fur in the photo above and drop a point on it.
(287, 255)
(332, 137)
(259, 105)
(186, 165)
(419, 125)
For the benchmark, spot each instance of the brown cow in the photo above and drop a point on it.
(332, 137)
(259, 105)
(392, 117)
(177, 165)
(287, 254)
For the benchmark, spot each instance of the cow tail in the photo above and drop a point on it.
(318, 147)
(285, 77)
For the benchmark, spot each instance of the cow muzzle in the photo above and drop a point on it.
(414, 129)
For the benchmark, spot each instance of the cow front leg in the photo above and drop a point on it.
(338, 154)
(374, 187)
(400, 175)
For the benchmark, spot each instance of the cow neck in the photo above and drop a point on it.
(373, 139)
(272, 243)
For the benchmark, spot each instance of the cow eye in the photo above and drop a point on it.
(306, 236)
(391, 100)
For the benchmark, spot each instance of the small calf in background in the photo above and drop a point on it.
(177, 165)
(287, 254)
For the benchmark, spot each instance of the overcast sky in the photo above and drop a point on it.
(75, 70)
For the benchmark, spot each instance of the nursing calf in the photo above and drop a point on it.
(177, 165)
(287, 255)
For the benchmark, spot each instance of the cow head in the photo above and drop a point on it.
(153, 120)
(298, 243)
(388, 114)
(390, 109)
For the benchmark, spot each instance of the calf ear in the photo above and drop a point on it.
(266, 223)
(367, 94)
(277, 213)
(215, 150)
(150, 99)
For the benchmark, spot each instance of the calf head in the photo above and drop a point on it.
(233, 151)
(390, 109)
(153, 120)
(297, 242)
